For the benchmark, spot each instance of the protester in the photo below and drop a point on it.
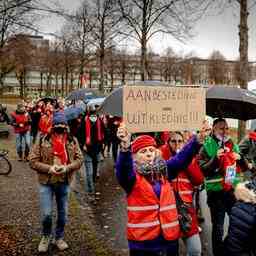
(90, 136)
(221, 165)
(55, 157)
(114, 123)
(45, 123)
(35, 116)
(184, 185)
(20, 120)
(4, 118)
(153, 225)
(240, 240)
(248, 149)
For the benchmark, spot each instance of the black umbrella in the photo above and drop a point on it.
(230, 102)
(113, 104)
(52, 100)
(82, 94)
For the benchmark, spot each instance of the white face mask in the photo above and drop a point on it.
(224, 139)
(93, 118)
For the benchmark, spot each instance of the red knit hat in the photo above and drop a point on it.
(142, 142)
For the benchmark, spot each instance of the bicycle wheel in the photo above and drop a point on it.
(5, 166)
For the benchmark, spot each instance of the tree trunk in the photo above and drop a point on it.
(144, 45)
(62, 85)
(41, 84)
(102, 55)
(243, 50)
(143, 58)
(101, 85)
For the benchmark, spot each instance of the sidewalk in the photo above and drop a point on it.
(20, 224)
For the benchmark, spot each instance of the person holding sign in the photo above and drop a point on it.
(153, 225)
(221, 164)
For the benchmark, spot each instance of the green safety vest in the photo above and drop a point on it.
(215, 183)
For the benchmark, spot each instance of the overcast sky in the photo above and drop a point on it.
(211, 33)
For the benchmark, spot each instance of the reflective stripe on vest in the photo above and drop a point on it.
(214, 180)
(142, 208)
(181, 180)
(187, 192)
(170, 225)
(143, 225)
(147, 213)
(168, 207)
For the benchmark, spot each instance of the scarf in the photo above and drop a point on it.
(252, 135)
(58, 147)
(153, 172)
(88, 130)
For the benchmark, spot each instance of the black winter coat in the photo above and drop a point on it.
(241, 238)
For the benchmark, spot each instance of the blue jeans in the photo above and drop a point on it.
(90, 168)
(46, 193)
(193, 245)
(23, 143)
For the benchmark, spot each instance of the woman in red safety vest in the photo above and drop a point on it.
(153, 226)
(20, 120)
(184, 184)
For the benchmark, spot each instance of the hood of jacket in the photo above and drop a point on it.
(246, 192)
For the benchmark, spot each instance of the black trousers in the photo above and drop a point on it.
(219, 203)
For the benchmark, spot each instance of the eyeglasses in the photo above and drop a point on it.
(176, 141)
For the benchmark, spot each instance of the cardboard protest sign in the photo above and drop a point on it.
(157, 108)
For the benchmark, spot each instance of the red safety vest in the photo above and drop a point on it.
(148, 216)
(22, 122)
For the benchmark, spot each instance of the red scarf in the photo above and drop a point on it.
(58, 147)
(252, 135)
(88, 130)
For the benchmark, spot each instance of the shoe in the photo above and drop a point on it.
(44, 244)
(61, 244)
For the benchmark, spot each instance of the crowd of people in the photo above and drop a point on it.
(161, 173)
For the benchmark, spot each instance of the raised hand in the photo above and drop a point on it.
(124, 136)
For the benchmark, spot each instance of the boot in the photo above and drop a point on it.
(20, 156)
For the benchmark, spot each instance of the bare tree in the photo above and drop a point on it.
(106, 22)
(146, 18)
(168, 64)
(22, 54)
(243, 51)
(81, 30)
(19, 16)
(217, 68)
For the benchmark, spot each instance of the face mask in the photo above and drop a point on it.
(59, 130)
(224, 139)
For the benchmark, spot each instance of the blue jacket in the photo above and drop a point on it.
(241, 238)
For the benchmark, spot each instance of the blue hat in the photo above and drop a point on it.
(59, 118)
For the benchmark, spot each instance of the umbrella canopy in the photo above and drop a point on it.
(73, 112)
(82, 94)
(48, 99)
(97, 101)
(230, 102)
(113, 104)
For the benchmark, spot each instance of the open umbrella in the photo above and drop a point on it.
(230, 102)
(52, 100)
(82, 94)
(113, 104)
(73, 112)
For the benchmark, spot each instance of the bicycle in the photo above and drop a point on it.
(5, 165)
